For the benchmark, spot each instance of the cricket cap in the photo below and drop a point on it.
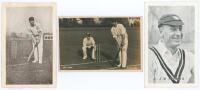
(31, 19)
(170, 19)
(88, 34)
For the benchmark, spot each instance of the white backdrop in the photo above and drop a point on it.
(17, 19)
(98, 80)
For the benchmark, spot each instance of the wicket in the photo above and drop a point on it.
(98, 53)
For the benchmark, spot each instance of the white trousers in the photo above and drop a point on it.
(123, 56)
(84, 48)
(38, 52)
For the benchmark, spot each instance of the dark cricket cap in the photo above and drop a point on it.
(88, 34)
(170, 19)
(31, 19)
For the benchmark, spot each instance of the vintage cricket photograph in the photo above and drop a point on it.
(170, 44)
(100, 43)
(28, 44)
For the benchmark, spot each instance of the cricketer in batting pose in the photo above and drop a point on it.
(167, 62)
(89, 43)
(37, 39)
(120, 35)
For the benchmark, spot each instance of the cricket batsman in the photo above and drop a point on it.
(37, 40)
(119, 33)
(89, 43)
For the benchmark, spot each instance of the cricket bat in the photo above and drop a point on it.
(116, 61)
(29, 57)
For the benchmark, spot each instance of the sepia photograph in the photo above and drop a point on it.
(28, 49)
(100, 43)
(170, 30)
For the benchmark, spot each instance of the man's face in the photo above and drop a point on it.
(172, 35)
(88, 37)
(32, 22)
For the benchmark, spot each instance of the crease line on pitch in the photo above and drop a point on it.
(86, 63)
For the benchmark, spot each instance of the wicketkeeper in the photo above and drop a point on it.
(89, 43)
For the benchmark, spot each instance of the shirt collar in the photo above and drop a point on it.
(163, 49)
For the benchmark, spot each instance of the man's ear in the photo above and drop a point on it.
(161, 31)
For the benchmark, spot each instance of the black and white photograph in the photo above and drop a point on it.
(28, 36)
(170, 30)
(100, 43)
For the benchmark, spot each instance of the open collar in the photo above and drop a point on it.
(163, 49)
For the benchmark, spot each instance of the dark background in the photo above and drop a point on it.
(18, 70)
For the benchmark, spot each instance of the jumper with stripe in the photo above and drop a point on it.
(162, 68)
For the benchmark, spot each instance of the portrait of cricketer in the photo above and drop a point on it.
(167, 62)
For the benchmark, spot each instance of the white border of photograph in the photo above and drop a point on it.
(145, 43)
(55, 43)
